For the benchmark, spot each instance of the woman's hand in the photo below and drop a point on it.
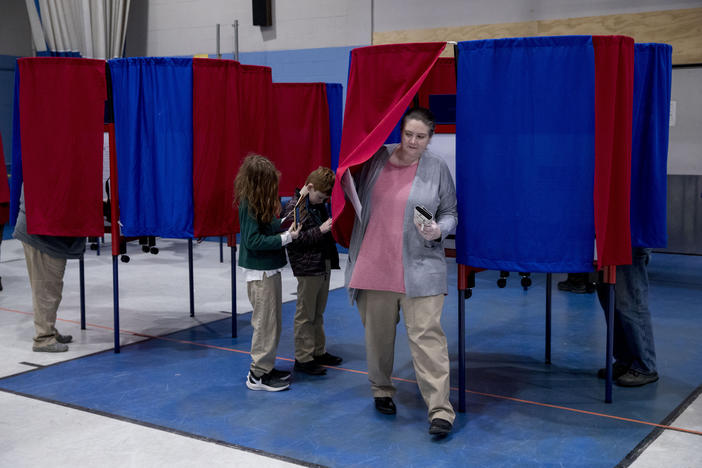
(326, 226)
(430, 231)
(294, 230)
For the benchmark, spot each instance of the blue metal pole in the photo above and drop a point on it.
(191, 280)
(81, 269)
(548, 318)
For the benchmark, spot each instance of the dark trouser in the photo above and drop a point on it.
(633, 332)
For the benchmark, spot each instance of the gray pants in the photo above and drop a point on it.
(312, 293)
(46, 279)
(266, 297)
(380, 313)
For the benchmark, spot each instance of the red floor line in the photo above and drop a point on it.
(492, 395)
(575, 410)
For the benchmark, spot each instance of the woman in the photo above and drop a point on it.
(395, 263)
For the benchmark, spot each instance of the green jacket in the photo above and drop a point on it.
(261, 246)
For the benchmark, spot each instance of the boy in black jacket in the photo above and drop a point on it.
(312, 256)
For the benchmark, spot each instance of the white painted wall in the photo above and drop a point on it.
(15, 35)
(186, 27)
(393, 15)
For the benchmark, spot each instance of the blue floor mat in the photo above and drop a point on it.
(520, 411)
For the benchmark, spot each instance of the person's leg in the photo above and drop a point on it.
(634, 316)
(46, 279)
(320, 339)
(429, 353)
(380, 313)
(305, 312)
(266, 298)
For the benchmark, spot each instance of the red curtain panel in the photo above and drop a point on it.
(216, 145)
(614, 94)
(382, 82)
(302, 117)
(257, 115)
(61, 105)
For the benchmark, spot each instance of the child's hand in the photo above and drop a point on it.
(294, 230)
(326, 226)
(304, 191)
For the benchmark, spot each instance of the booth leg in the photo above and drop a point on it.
(234, 316)
(462, 350)
(81, 273)
(191, 280)
(610, 343)
(115, 298)
(221, 249)
(548, 319)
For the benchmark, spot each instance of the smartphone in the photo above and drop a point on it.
(422, 215)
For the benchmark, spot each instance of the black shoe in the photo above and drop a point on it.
(617, 371)
(309, 367)
(385, 405)
(280, 374)
(0, 284)
(440, 427)
(634, 378)
(327, 359)
(575, 287)
(63, 338)
(265, 382)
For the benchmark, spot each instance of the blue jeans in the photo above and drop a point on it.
(633, 332)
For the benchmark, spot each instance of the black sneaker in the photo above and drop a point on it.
(309, 367)
(617, 371)
(634, 378)
(327, 359)
(280, 374)
(440, 427)
(265, 382)
(385, 405)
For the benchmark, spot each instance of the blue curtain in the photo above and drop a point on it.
(154, 137)
(336, 108)
(649, 149)
(16, 180)
(525, 154)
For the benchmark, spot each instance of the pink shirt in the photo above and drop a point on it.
(379, 263)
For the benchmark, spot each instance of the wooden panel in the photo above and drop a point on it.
(680, 28)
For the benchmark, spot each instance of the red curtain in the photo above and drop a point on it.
(382, 82)
(614, 91)
(62, 104)
(216, 145)
(256, 99)
(4, 189)
(303, 132)
(441, 80)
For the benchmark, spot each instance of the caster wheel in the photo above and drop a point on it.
(154, 250)
(124, 258)
(145, 248)
(501, 283)
(526, 282)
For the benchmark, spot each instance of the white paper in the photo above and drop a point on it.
(349, 187)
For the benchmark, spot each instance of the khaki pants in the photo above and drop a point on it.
(46, 279)
(380, 313)
(312, 293)
(266, 297)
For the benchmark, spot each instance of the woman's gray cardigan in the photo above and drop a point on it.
(424, 261)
